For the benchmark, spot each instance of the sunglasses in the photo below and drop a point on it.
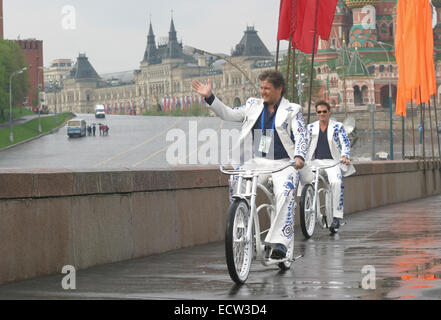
(322, 111)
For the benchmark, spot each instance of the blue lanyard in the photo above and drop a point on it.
(262, 122)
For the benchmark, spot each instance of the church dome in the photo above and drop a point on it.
(360, 3)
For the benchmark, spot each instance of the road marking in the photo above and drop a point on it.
(136, 146)
(161, 150)
(197, 149)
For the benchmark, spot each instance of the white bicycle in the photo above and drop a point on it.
(243, 236)
(316, 196)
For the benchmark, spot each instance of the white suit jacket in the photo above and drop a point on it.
(338, 140)
(289, 120)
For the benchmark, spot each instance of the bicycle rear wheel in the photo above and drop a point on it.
(238, 249)
(307, 212)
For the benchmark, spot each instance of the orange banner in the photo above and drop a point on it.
(414, 53)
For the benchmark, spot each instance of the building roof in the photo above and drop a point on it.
(251, 45)
(83, 69)
(357, 66)
(360, 3)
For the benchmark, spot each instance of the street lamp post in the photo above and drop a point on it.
(191, 51)
(39, 100)
(391, 138)
(11, 135)
(55, 86)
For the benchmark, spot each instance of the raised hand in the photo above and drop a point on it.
(204, 90)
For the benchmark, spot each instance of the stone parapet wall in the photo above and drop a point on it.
(52, 218)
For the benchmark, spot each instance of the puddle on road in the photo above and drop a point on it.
(416, 282)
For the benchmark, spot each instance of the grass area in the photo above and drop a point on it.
(29, 129)
(194, 111)
(17, 112)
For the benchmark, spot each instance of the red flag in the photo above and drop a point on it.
(287, 19)
(326, 13)
(298, 18)
(307, 21)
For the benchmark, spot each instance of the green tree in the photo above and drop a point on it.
(12, 59)
(302, 69)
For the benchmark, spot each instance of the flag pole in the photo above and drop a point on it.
(436, 121)
(422, 129)
(431, 132)
(413, 129)
(287, 66)
(312, 61)
(403, 136)
(277, 54)
(293, 71)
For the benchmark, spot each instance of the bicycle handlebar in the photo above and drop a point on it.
(327, 166)
(255, 170)
(268, 171)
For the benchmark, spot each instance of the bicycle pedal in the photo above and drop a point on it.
(296, 258)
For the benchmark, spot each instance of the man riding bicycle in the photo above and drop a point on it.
(278, 128)
(329, 142)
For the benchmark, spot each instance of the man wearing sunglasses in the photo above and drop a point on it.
(279, 134)
(328, 143)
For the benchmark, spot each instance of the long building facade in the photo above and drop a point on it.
(164, 78)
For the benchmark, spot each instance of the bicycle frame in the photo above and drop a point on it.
(318, 177)
(251, 177)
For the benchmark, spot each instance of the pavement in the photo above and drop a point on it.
(22, 120)
(391, 252)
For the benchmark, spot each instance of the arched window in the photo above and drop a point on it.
(358, 99)
(365, 95)
(381, 68)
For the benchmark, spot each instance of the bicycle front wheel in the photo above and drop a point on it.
(307, 212)
(238, 249)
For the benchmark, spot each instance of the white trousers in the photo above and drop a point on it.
(285, 185)
(335, 182)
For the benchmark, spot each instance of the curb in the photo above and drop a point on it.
(39, 136)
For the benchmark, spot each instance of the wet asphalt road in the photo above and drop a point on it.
(401, 242)
(133, 142)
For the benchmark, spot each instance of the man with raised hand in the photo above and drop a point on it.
(279, 135)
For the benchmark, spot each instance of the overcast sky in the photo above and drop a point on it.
(113, 34)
